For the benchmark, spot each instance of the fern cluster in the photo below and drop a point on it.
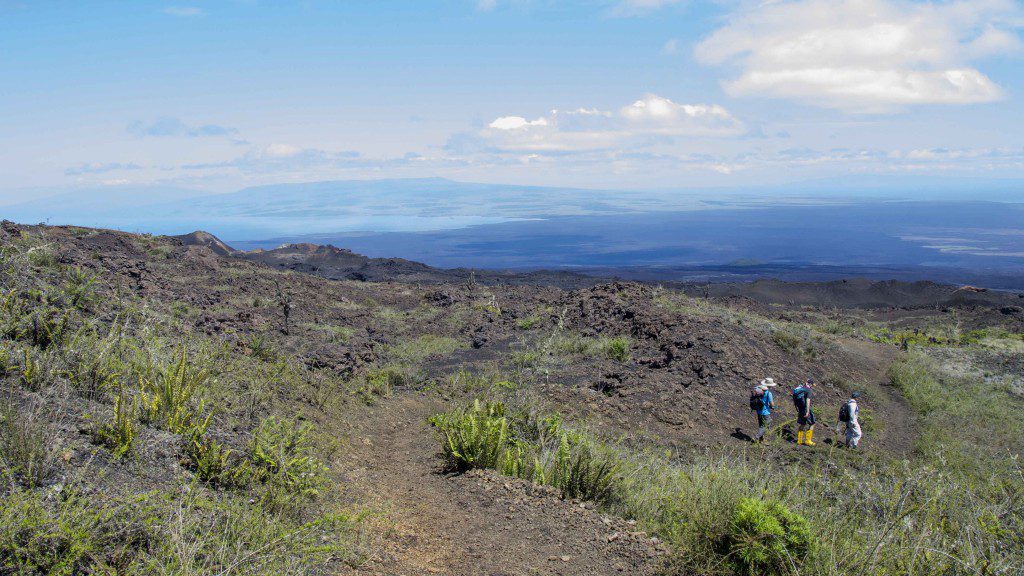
(521, 444)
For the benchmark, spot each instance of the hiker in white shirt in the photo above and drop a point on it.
(849, 414)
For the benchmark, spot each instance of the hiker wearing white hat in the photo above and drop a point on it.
(762, 402)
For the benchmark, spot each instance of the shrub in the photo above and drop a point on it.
(381, 383)
(799, 344)
(617, 349)
(528, 323)
(6, 362)
(765, 537)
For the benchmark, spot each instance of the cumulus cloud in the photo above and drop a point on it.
(516, 123)
(662, 116)
(865, 55)
(651, 118)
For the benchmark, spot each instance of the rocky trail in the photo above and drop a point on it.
(475, 523)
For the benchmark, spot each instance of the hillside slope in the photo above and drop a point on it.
(265, 420)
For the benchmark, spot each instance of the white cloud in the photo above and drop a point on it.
(184, 11)
(562, 131)
(865, 55)
(670, 47)
(280, 151)
(662, 116)
(516, 123)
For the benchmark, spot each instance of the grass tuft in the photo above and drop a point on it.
(26, 447)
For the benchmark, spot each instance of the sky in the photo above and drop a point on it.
(631, 94)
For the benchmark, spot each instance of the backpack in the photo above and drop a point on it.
(800, 396)
(757, 399)
(845, 414)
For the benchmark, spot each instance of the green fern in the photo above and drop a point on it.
(168, 399)
(119, 434)
(474, 438)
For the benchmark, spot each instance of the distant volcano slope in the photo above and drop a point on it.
(342, 264)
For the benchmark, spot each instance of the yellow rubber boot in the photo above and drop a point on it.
(800, 436)
(808, 438)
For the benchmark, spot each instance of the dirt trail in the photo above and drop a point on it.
(477, 523)
(896, 432)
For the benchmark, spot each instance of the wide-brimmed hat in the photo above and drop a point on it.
(768, 382)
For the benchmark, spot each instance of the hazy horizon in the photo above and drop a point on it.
(417, 125)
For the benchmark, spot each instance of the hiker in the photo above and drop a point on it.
(762, 403)
(849, 414)
(804, 414)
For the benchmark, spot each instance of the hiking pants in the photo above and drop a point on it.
(764, 422)
(853, 434)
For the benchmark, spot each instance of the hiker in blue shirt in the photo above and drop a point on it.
(762, 403)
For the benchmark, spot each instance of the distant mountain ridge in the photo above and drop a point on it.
(342, 264)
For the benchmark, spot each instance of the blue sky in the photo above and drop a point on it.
(618, 93)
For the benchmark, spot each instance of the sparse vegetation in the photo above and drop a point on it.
(262, 348)
(419, 349)
(169, 396)
(528, 323)
(381, 383)
(118, 433)
(27, 452)
(282, 461)
(732, 515)
(211, 432)
(796, 342)
(527, 446)
(614, 348)
(191, 531)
